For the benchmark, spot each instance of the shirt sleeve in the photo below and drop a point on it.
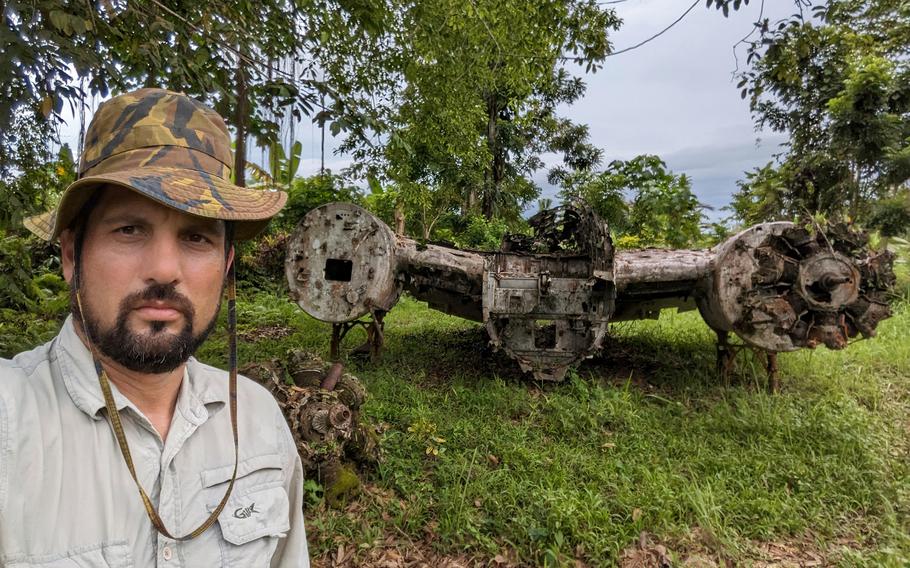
(292, 550)
(5, 452)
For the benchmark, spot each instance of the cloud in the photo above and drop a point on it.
(720, 157)
(715, 168)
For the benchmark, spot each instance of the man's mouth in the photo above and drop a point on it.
(158, 311)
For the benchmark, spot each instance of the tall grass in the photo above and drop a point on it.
(642, 439)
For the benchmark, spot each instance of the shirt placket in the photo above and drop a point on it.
(159, 485)
(170, 508)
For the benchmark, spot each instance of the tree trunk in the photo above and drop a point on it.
(493, 176)
(857, 192)
(240, 123)
(399, 219)
(471, 202)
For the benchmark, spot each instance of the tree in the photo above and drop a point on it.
(761, 196)
(250, 59)
(473, 102)
(427, 205)
(31, 176)
(838, 82)
(640, 198)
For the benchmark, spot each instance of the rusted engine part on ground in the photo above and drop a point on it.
(780, 287)
(321, 404)
(547, 299)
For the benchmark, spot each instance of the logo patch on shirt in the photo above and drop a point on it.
(245, 512)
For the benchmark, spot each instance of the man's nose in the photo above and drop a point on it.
(162, 263)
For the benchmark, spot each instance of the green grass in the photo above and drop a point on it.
(645, 438)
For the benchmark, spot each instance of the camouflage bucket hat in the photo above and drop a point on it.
(169, 148)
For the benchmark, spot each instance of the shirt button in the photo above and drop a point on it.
(166, 553)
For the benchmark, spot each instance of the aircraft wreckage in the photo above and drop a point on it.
(547, 299)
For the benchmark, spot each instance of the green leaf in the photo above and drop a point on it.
(294, 165)
(375, 186)
(59, 20)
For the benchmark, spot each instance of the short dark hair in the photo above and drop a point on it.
(78, 225)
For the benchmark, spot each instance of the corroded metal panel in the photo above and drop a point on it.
(548, 313)
(341, 263)
(548, 298)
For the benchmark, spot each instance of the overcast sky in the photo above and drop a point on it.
(674, 97)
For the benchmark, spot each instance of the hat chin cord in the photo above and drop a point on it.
(114, 415)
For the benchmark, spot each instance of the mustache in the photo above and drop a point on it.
(161, 293)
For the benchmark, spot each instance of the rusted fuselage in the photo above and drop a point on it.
(547, 299)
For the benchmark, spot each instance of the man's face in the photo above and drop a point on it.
(150, 278)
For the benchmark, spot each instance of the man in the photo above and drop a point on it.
(117, 448)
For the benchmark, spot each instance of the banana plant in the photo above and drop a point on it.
(282, 168)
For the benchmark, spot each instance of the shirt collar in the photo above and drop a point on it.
(77, 368)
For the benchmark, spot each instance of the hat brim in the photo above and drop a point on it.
(193, 192)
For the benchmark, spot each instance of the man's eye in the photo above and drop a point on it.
(127, 230)
(198, 238)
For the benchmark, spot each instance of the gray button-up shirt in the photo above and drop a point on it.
(67, 498)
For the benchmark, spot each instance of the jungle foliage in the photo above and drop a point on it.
(836, 79)
(644, 203)
(252, 60)
(466, 95)
(31, 175)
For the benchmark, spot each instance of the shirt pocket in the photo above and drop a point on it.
(257, 513)
(105, 555)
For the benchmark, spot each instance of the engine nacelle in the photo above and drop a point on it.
(781, 288)
(342, 263)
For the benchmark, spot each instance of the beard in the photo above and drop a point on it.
(156, 350)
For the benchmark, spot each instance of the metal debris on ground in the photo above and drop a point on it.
(321, 404)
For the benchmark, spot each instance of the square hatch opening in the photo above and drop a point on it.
(338, 269)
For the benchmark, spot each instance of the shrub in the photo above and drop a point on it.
(17, 290)
(891, 216)
(482, 234)
(305, 194)
(31, 305)
(260, 262)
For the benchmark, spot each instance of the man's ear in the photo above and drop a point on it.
(68, 254)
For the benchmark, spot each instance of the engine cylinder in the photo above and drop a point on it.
(781, 287)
